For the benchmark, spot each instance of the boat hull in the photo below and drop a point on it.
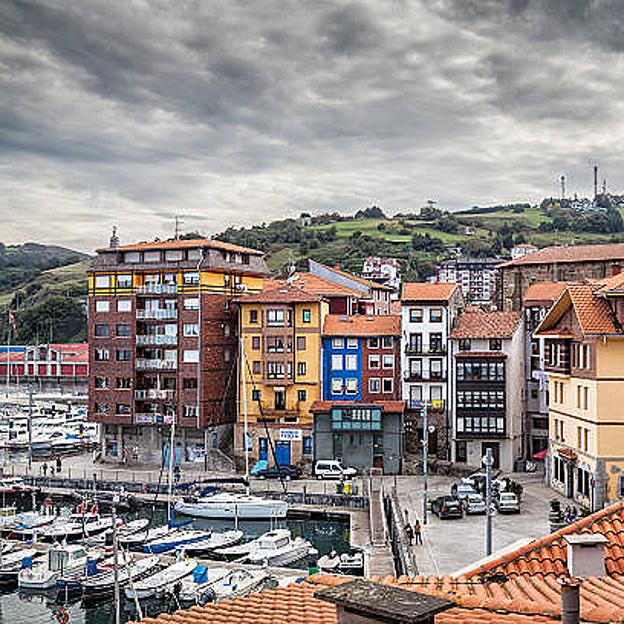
(250, 511)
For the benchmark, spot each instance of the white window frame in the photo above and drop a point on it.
(352, 343)
(190, 356)
(387, 362)
(191, 303)
(350, 362)
(336, 385)
(124, 305)
(102, 281)
(191, 330)
(372, 381)
(351, 386)
(102, 306)
(337, 343)
(336, 362)
(384, 381)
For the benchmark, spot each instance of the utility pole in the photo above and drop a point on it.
(425, 407)
(488, 462)
(116, 562)
(30, 413)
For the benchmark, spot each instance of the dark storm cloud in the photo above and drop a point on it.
(229, 113)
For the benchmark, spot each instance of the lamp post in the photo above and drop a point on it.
(488, 462)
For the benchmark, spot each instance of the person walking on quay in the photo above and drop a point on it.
(417, 532)
(409, 533)
(44, 469)
(59, 465)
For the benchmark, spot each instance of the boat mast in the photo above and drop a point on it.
(116, 562)
(245, 418)
(171, 468)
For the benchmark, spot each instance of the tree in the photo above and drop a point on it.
(374, 212)
(58, 318)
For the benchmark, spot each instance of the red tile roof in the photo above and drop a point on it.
(279, 291)
(575, 253)
(319, 286)
(475, 323)
(548, 555)
(543, 293)
(424, 291)
(183, 244)
(340, 325)
(387, 406)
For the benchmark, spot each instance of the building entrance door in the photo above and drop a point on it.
(263, 454)
(282, 453)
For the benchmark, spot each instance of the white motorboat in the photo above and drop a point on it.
(155, 583)
(61, 560)
(132, 527)
(179, 538)
(241, 550)
(278, 549)
(214, 541)
(11, 564)
(76, 526)
(146, 535)
(104, 582)
(232, 505)
(342, 564)
(214, 584)
(29, 523)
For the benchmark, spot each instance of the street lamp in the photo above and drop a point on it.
(488, 462)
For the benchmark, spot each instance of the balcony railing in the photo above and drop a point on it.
(152, 418)
(155, 364)
(421, 350)
(157, 289)
(155, 339)
(415, 376)
(153, 393)
(436, 405)
(160, 314)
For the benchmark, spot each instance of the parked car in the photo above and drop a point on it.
(462, 490)
(333, 469)
(474, 504)
(507, 502)
(447, 507)
(285, 471)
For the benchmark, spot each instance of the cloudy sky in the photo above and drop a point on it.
(231, 113)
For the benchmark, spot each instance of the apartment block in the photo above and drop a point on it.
(162, 343)
(584, 360)
(476, 276)
(487, 398)
(428, 314)
(281, 336)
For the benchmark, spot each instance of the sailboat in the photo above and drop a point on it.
(231, 504)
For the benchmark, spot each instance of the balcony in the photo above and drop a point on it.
(157, 289)
(153, 393)
(143, 340)
(421, 350)
(155, 364)
(419, 376)
(145, 418)
(162, 314)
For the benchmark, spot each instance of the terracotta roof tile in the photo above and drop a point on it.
(279, 291)
(543, 292)
(388, 406)
(340, 325)
(319, 286)
(425, 291)
(575, 253)
(183, 244)
(475, 323)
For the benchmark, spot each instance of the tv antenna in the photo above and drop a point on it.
(178, 222)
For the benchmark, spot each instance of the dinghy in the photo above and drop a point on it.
(11, 564)
(105, 581)
(155, 583)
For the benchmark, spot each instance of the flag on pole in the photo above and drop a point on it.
(12, 323)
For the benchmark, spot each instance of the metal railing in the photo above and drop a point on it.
(153, 393)
(159, 314)
(155, 339)
(157, 289)
(145, 364)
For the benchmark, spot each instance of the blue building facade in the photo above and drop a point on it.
(342, 368)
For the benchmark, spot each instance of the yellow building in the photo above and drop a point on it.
(280, 331)
(584, 360)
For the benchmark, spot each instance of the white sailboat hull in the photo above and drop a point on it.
(225, 506)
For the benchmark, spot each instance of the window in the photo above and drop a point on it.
(351, 386)
(190, 356)
(301, 368)
(374, 361)
(191, 329)
(101, 408)
(124, 305)
(256, 367)
(132, 257)
(351, 362)
(585, 398)
(352, 343)
(415, 343)
(307, 444)
(255, 395)
(374, 385)
(151, 256)
(101, 383)
(301, 343)
(102, 281)
(302, 395)
(123, 383)
(189, 383)
(336, 386)
(338, 343)
(586, 440)
(388, 361)
(435, 393)
(306, 315)
(336, 362)
(276, 370)
(124, 330)
(415, 315)
(227, 355)
(255, 342)
(124, 281)
(461, 452)
(435, 369)
(373, 343)
(101, 355)
(124, 355)
(496, 344)
(102, 306)
(190, 411)
(386, 342)
(435, 315)
(123, 409)
(464, 344)
(388, 384)
(101, 331)
(191, 278)
(253, 316)
(275, 318)
(191, 303)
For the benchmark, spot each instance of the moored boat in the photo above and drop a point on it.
(154, 583)
(232, 505)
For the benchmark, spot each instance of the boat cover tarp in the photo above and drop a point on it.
(200, 574)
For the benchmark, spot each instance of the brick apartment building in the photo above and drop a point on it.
(556, 264)
(162, 343)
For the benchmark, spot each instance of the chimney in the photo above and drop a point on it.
(365, 602)
(570, 600)
(586, 554)
(113, 242)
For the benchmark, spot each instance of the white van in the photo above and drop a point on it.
(332, 469)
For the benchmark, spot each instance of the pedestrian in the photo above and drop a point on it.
(409, 533)
(59, 465)
(417, 532)
(44, 469)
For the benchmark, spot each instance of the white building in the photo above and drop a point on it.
(385, 271)
(476, 276)
(522, 250)
(428, 313)
(487, 397)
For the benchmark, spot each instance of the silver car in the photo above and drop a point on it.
(474, 504)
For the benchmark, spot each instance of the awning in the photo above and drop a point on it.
(540, 454)
(567, 455)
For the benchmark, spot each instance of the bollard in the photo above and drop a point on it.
(304, 494)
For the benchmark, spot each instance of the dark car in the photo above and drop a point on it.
(284, 471)
(447, 507)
